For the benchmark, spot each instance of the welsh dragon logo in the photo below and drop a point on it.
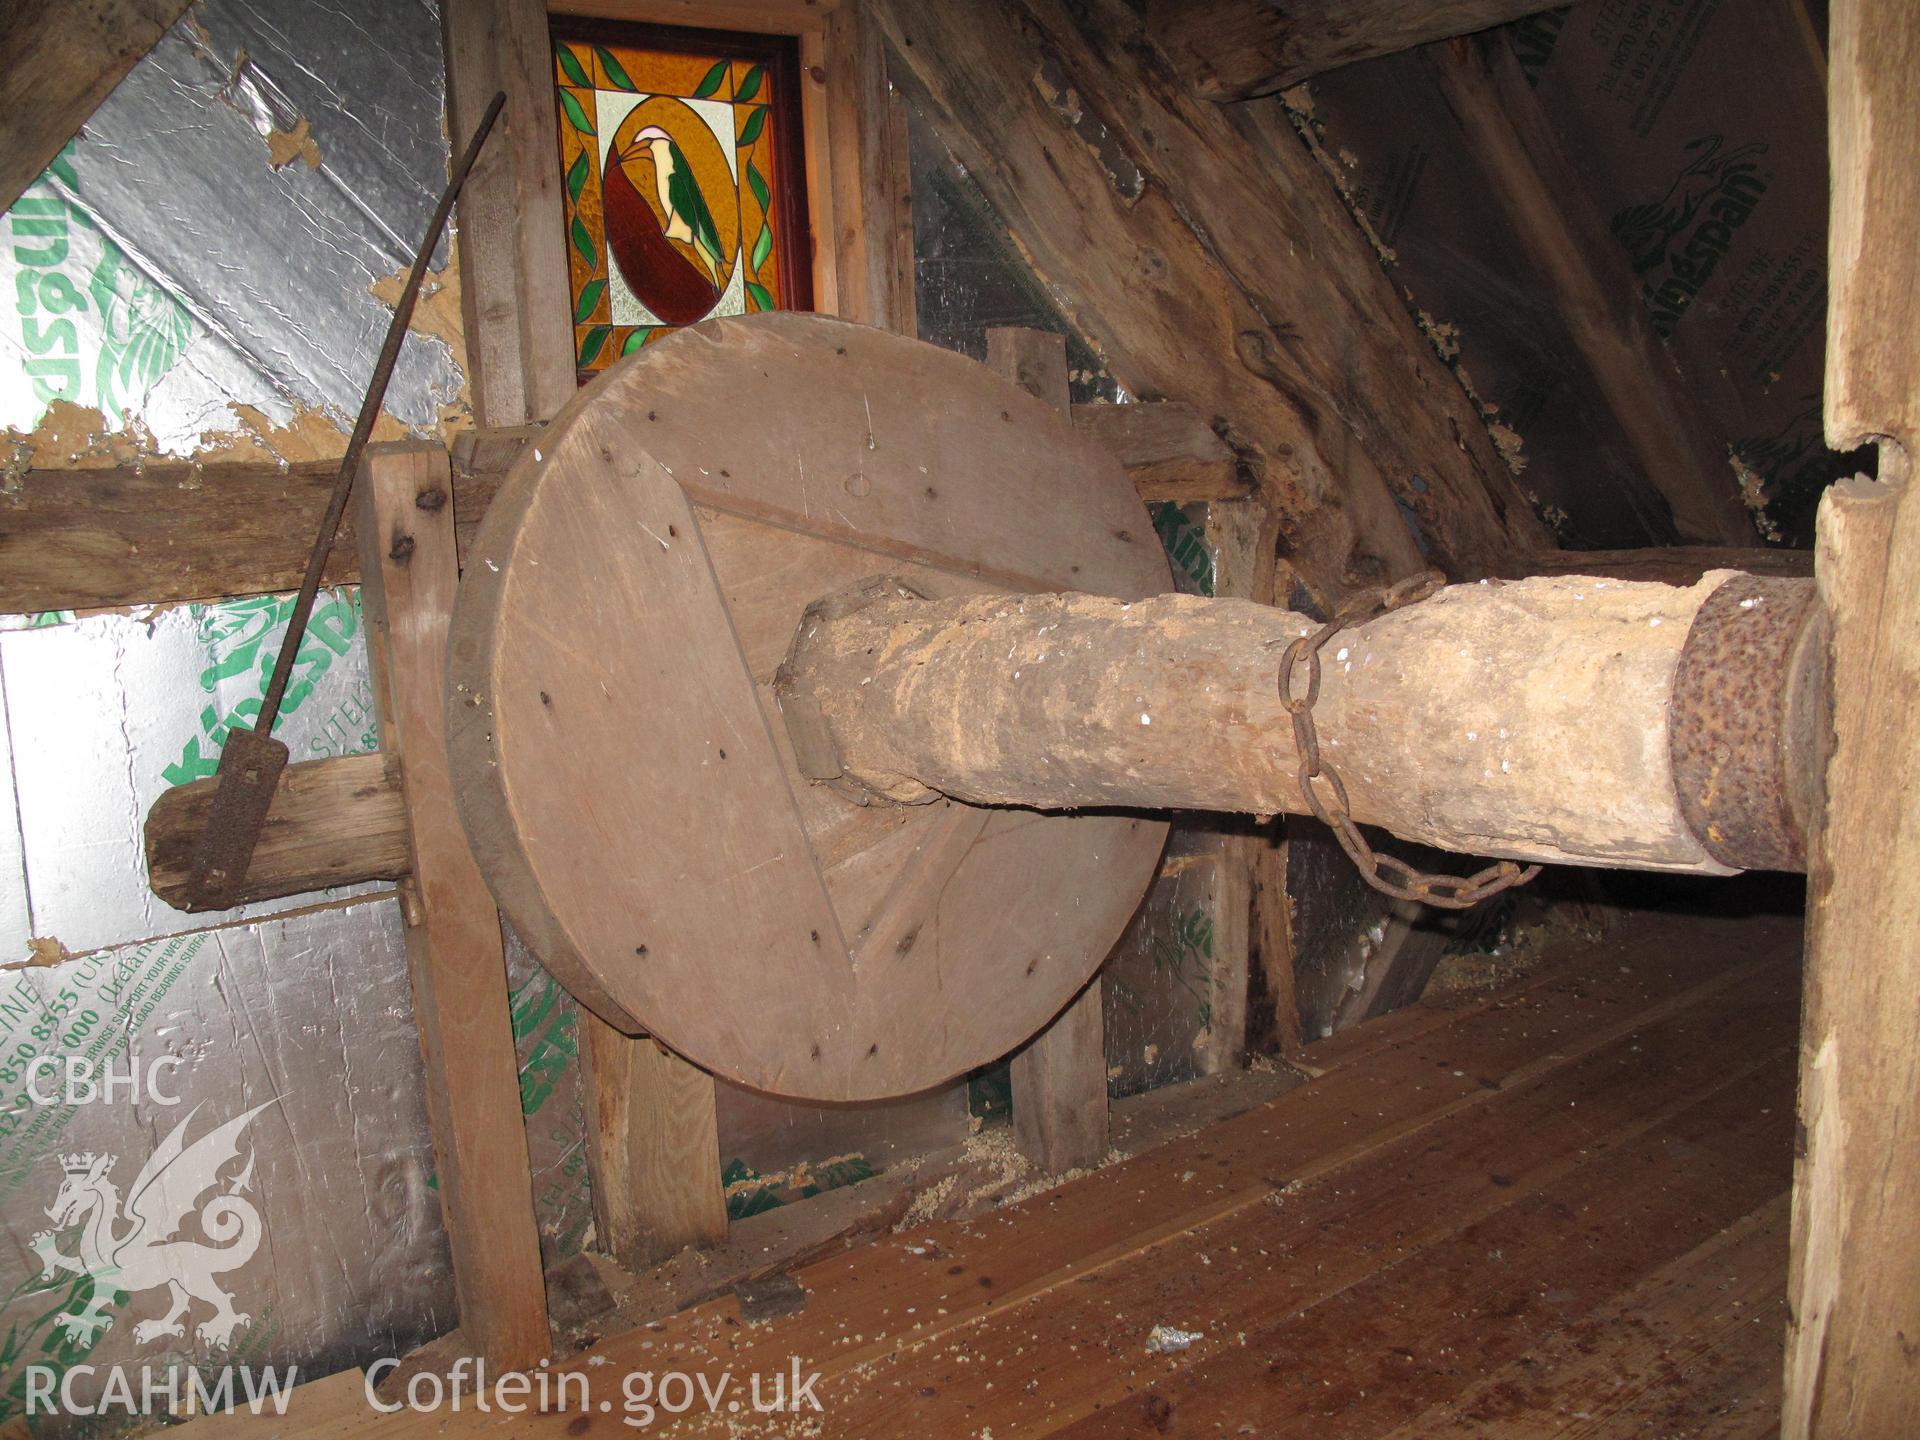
(133, 1249)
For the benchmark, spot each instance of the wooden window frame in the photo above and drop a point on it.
(790, 214)
(511, 237)
(798, 19)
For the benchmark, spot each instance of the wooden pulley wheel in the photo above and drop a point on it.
(626, 778)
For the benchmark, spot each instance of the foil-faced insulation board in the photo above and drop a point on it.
(105, 712)
(169, 273)
(295, 1035)
(165, 270)
(546, 1033)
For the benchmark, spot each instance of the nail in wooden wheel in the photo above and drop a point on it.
(625, 776)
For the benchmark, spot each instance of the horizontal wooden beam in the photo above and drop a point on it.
(1675, 564)
(1237, 49)
(160, 534)
(333, 822)
(1169, 449)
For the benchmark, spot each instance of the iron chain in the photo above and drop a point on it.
(1384, 872)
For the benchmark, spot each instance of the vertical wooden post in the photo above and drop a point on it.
(512, 234)
(1270, 938)
(1035, 360)
(906, 308)
(1853, 1291)
(1060, 1088)
(653, 1148)
(1060, 1079)
(1271, 943)
(857, 130)
(866, 212)
(1235, 532)
(404, 521)
(1232, 897)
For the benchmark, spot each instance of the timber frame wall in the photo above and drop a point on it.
(1103, 151)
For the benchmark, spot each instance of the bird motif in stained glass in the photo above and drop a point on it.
(676, 167)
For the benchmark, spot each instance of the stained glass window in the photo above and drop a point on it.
(680, 152)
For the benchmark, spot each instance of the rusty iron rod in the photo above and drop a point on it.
(251, 761)
(369, 412)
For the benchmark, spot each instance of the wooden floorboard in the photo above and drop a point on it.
(1691, 1350)
(1305, 1246)
(1373, 1355)
(1552, 1210)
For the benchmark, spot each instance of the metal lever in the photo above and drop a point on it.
(251, 760)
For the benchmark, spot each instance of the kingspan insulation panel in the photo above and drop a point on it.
(107, 711)
(265, 1108)
(166, 273)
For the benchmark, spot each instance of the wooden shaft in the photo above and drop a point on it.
(340, 821)
(1526, 720)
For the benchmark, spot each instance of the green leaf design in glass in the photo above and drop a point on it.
(711, 81)
(639, 337)
(757, 183)
(575, 115)
(577, 176)
(750, 86)
(590, 347)
(762, 247)
(756, 122)
(589, 297)
(583, 242)
(615, 71)
(576, 72)
(760, 296)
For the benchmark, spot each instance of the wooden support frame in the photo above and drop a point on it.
(647, 1103)
(404, 520)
